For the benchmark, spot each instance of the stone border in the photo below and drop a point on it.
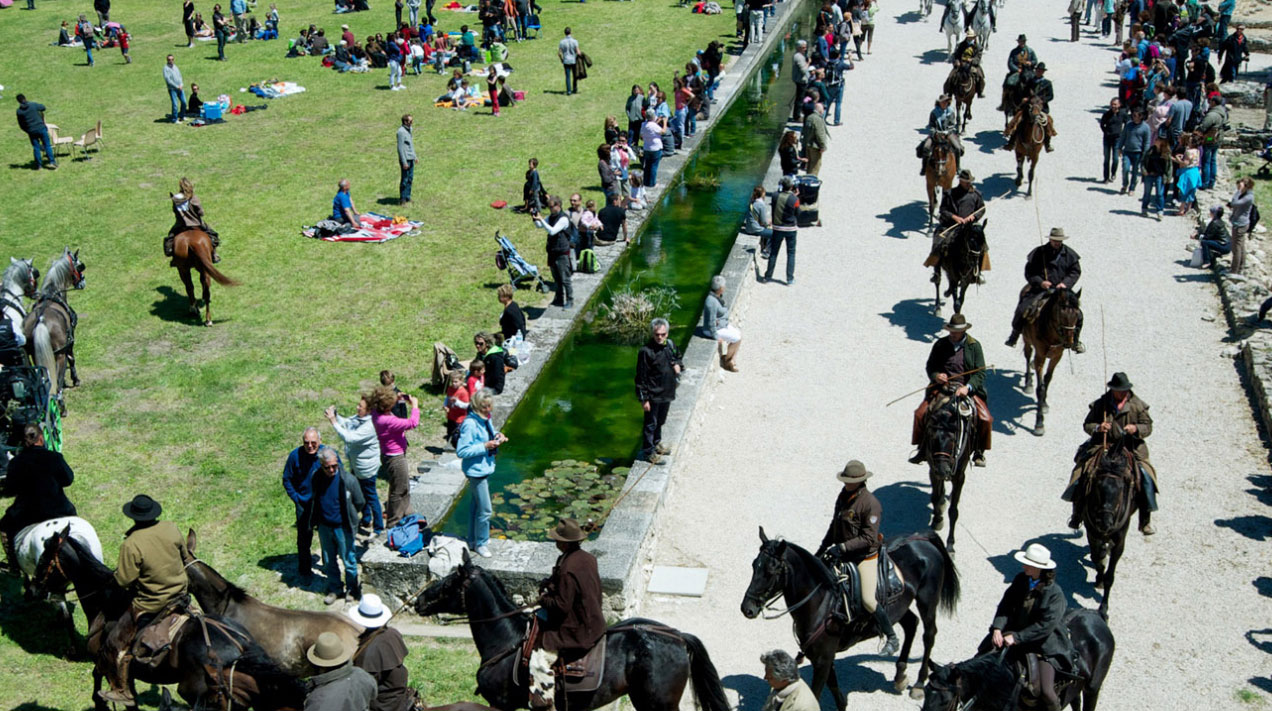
(628, 533)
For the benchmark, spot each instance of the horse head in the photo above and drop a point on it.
(988, 678)
(51, 570)
(65, 272)
(23, 274)
(1068, 314)
(1108, 505)
(448, 594)
(946, 436)
(944, 688)
(768, 575)
(974, 235)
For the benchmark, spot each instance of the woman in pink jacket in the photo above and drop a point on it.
(391, 431)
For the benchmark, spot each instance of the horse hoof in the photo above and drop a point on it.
(938, 524)
(208, 324)
(916, 693)
(900, 683)
(1039, 431)
(1044, 408)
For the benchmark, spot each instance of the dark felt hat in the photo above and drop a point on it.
(567, 531)
(142, 508)
(1120, 382)
(1042, 67)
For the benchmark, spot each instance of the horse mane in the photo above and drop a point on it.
(95, 566)
(813, 563)
(55, 280)
(990, 678)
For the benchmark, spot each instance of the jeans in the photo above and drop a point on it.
(414, 13)
(561, 278)
(757, 26)
(836, 100)
(38, 140)
(30, 4)
(178, 103)
(1211, 249)
(651, 431)
(1090, 7)
(395, 73)
(775, 246)
(88, 50)
(1153, 184)
(1209, 160)
(691, 122)
(404, 185)
(652, 159)
(1130, 170)
(521, 26)
(797, 112)
(633, 131)
(220, 44)
(678, 127)
(479, 513)
(1110, 158)
(571, 86)
(337, 544)
(304, 538)
(1221, 29)
(372, 513)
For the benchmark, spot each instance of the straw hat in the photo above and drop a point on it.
(370, 612)
(970, 34)
(957, 322)
(1057, 234)
(328, 651)
(854, 473)
(1036, 555)
(567, 531)
(965, 174)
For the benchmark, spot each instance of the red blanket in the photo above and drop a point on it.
(375, 228)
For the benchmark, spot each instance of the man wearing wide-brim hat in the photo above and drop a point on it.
(969, 51)
(570, 611)
(1053, 266)
(1020, 60)
(962, 205)
(338, 686)
(949, 369)
(1117, 418)
(382, 654)
(853, 538)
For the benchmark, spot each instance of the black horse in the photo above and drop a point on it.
(947, 439)
(648, 662)
(217, 663)
(1111, 498)
(961, 261)
(783, 569)
(991, 683)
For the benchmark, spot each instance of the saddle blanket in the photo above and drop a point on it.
(29, 543)
(375, 228)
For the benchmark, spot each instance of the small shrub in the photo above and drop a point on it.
(626, 318)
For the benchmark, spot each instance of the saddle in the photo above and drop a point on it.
(1033, 303)
(152, 645)
(888, 589)
(580, 675)
(1030, 683)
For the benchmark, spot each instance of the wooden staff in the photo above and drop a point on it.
(925, 387)
(951, 227)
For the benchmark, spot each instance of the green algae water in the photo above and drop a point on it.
(582, 409)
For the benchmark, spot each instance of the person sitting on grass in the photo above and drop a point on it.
(201, 28)
(342, 60)
(64, 38)
(299, 46)
(194, 105)
(342, 209)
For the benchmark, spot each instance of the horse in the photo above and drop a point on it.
(1046, 338)
(1112, 497)
(284, 634)
(961, 84)
(216, 661)
(646, 661)
(979, 18)
(948, 439)
(939, 169)
(961, 261)
(810, 591)
(952, 26)
(19, 281)
(1015, 94)
(29, 545)
(1030, 134)
(991, 683)
(925, 8)
(192, 249)
(50, 326)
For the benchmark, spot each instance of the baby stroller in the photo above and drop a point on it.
(1266, 155)
(519, 270)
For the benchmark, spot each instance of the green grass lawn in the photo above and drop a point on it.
(203, 418)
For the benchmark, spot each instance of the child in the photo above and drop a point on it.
(456, 405)
(417, 57)
(122, 38)
(476, 376)
(492, 86)
(637, 200)
(271, 19)
(589, 223)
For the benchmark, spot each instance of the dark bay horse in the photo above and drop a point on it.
(50, 326)
(1046, 338)
(961, 261)
(1030, 134)
(948, 438)
(961, 84)
(283, 634)
(810, 591)
(1111, 497)
(989, 682)
(648, 662)
(939, 169)
(192, 249)
(217, 663)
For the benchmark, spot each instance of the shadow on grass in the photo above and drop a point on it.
(285, 565)
(33, 626)
(173, 306)
(388, 201)
(22, 166)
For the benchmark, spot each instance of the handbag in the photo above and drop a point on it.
(1197, 257)
(856, 29)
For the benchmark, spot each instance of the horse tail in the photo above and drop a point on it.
(44, 354)
(951, 588)
(205, 259)
(708, 692)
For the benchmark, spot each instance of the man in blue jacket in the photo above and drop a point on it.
(298, 475)
(337, 505)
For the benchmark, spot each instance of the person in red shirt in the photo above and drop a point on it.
(476, 375)
(456, 405)
(122, 38)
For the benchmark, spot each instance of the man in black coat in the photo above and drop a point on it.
(657, 373)
(36, 479)
(1054, 265)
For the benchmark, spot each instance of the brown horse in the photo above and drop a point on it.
(939, 169)
(50, 326)
(192, 249)
(1030, 134)
(961, 84)
(1046, 338)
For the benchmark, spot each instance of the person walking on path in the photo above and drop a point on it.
(477, 448)
(176, 88)
(658, 368)
(338, 504)
(1156, 161)
(568, 52)
(1211, 130)
(835, 84)
(816, 138)
(406, 159)
(391, 431)
(362, 449)
(88, 36)
(338, 685)
(1241, 205)
(785, 227)
(789, 693)
(558, 227)
(221, 27)
(1111, 124)
(298, 474)
(31, 121)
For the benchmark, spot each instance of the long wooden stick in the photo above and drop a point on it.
(947, 229)
(925, 387)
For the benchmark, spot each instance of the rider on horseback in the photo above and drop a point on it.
(189, 216)
(1030, 620)
(854, 539)
(1038, 88)
(151, 564)
(1052, 266)
(942, 123)
(36, 479)
(1020, 62)
(963, 205)
(1119, 416)
(570, 617)
(949, 367)
(968, 54)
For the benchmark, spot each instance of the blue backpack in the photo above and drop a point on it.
(407, 537)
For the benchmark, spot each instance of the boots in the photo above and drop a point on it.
(726, 360)
(115, 658)
(216, 257)
(918, 457)
(1145, 522)
(1013, 338)
(892, 644)
(978, 459)
(1075, 520)
(1046, 142)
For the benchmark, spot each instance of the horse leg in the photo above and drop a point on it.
(70, 363)
(1028, 364)
(960, 293)
(1020, 169)
(960, 476)
(98, 703)
(1044, 382)
(823, 670)
(928, 615)
(184, 271)
(1033, 163)
(1099, 555)
(1114, 555)
(938, 500)
(936, 308)
(207, 297)
(909, 625)
(841, 699)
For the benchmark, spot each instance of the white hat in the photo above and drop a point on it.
(1035, 554)
(370, 612)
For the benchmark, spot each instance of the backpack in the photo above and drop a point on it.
(445, 362)
(587, 261)
(407, 537)
(1254, 218)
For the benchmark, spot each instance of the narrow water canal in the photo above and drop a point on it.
(583, 404)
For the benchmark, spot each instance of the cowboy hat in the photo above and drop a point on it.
(1022, 38)
(142, 509)
(942, 98)
(328, 651)
(567, 531)
(965, 174)
(1057, 234)
(1037, 556)
(854, 473)
(370, 612)
(1042, 67)
(1120, 383)
(970, 33)
(957, 322)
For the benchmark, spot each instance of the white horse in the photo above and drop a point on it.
(952, 25)
(29, 545)
(19, 282)
(980, 19)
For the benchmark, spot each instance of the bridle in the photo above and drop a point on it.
(44, 574)
(956, 701)
(767, 604)
(960, 443)
(1122, 512)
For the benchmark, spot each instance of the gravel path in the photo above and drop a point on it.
(820, 359)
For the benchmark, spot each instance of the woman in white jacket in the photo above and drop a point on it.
(362, 451)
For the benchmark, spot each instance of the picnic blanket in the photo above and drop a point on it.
(375, 228)
(273, 90)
